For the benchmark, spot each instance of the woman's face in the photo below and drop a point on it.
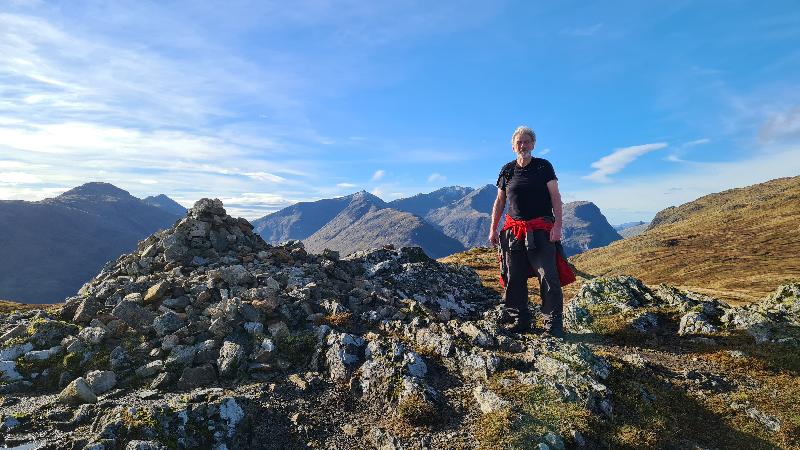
(523, 144)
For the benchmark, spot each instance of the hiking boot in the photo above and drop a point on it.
(522, 326)
(507, 317)
(556, 333)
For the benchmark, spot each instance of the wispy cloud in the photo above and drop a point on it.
(781, 126)
(544, 152)
(618, 159)
(677, 154)
(345, 185)
(436, 178)
(378, 175)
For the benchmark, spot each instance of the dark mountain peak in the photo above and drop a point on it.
(165, 203)
(96, 189)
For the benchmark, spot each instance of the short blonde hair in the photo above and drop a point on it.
(522, 129)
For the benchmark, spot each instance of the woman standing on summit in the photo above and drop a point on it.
(530, 238)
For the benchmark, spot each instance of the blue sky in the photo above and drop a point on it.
(638, 105)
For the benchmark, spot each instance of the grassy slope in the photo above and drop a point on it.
(736, 245)
(7, 307)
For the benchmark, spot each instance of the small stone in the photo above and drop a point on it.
(41, 355)
(230, 358)
(147, 394)
(93, 335)
(278, 329)
(8, 371)
(78, 392)
(134, 315)
(150, 369)
(193, 377)
(167, 323)
(156, 292)
(254, 327)
(101, 380)
(298, 381)
(554, 441)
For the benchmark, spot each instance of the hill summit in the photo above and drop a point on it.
(207, 327)
(206, 336)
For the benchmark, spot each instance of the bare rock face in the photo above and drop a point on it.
(208, 337)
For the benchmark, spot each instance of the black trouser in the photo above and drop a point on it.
(543, 261)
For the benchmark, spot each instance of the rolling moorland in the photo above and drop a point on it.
(737, 245)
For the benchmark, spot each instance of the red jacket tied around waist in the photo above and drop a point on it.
(519, 227)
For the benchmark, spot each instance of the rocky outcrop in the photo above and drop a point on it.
(208, 337)
(617, 300)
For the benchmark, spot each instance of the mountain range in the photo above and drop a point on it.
(51, 247)
(735, 245)
(442, 222)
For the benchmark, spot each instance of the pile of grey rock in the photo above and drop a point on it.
(775, 319)
(188, 342)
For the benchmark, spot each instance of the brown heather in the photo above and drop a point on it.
(737, 245)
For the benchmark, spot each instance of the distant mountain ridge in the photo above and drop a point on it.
(51, 247)
(449, 219)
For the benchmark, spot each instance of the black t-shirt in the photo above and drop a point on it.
(526, 188)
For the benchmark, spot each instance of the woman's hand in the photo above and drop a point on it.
(493, 238)
(555, 233)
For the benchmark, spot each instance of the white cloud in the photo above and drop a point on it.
(618, 159)
(696, 142)
(345, 185)
(378, 175)
(436, 178)
(18, 178)
(264, 176)
(544, 152)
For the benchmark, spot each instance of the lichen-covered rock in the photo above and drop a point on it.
(774, 319)
(605, 296)
(487, 400)
(343, 353)
(231, 356)
(101, 381)
(696, 323)
(77, 392)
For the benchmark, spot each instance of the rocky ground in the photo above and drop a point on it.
(207, 337)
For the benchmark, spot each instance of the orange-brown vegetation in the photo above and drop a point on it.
(737, 245)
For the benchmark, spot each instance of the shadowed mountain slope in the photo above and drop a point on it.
(299, 221)
(367, 222)
(167, 204)
(467, 219)
(585, 227)
(51, 247)
(736, 245)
